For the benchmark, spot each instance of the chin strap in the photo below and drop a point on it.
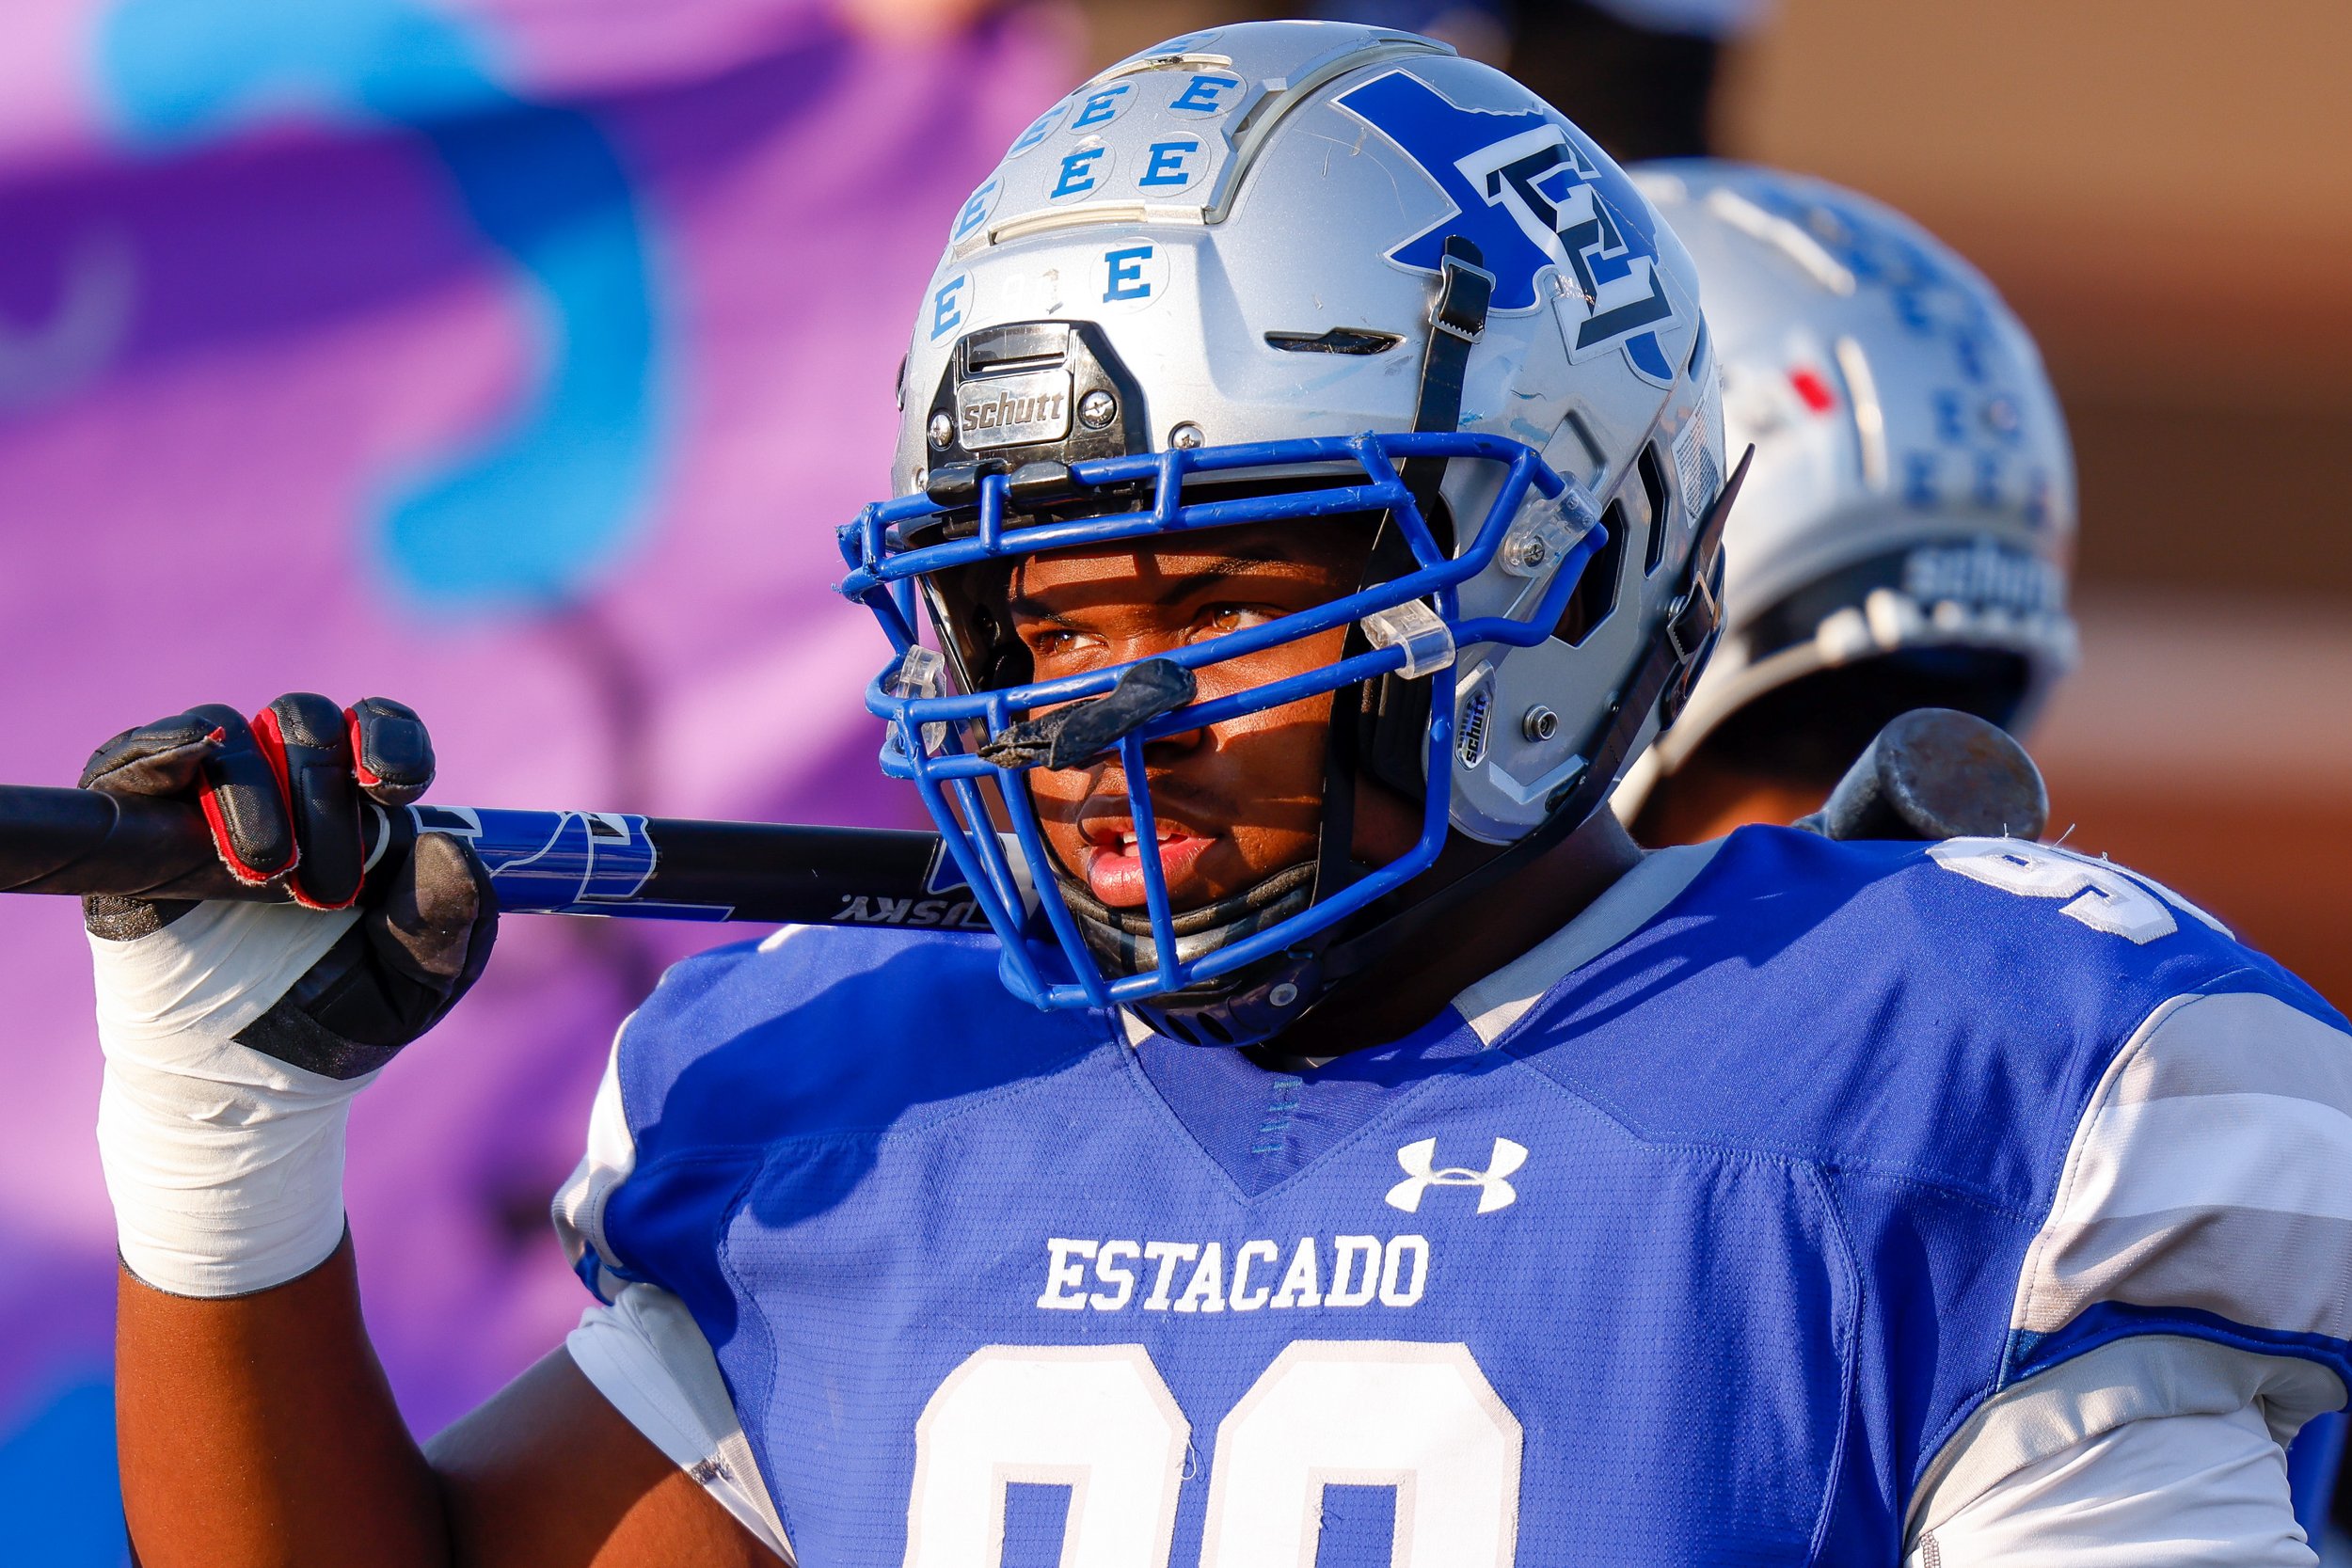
(1391, 718)
(1457, 319)
(1125, 937)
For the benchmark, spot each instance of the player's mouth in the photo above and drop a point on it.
(1114, 860)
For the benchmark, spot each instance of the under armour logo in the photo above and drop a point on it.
(1494, 1191)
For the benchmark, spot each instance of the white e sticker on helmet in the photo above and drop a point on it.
(1102, 106)
(976, 211)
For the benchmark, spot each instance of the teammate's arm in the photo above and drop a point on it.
(254, 1422)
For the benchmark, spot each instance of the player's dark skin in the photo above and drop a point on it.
(1247, 792)
(260, 1431)
(1708, 797)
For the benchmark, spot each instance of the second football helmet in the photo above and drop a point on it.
(1904, 534)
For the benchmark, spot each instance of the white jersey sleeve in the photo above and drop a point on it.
(2167, 1492)
(2154, 1453)
(644, 1353)
(2209, 1184)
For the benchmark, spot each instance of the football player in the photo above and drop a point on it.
(1904, 536)
(1849, 333)
(1348, 1146)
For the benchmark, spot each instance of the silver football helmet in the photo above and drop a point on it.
(1296, 271)
(1909, 514)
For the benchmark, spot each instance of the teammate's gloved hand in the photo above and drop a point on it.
(237, 1033)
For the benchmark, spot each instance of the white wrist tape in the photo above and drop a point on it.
(225, 1165)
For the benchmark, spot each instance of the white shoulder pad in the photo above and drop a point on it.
(1503, 998)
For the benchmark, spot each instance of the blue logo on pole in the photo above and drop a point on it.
(1530, 192)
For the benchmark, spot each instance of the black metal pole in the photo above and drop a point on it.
(80, 841)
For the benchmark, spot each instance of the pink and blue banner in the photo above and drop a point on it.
(515, 358)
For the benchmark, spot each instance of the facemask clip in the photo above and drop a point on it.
(1416, 629)
(1546, 535)
(920, 675)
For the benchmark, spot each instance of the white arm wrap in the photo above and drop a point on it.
(2153, 1451)
(225, 1165)
(2201, 1491)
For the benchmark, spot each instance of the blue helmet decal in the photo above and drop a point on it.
(1531, 193)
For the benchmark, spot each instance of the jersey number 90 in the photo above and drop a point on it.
(1099, 1419)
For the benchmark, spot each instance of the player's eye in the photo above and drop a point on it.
(1223, 619)
(1048, 642)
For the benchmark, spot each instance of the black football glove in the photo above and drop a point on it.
(283, 794)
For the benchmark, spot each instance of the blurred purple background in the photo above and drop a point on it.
(515, 359)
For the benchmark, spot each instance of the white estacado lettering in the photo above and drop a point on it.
(1245, 1299)
(1166, 1254)
(1192, 1276)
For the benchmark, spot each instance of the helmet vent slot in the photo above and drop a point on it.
(1654, 487)
(1339, 339)
(1474, 748)
(1596, 592)
(1207, 1027)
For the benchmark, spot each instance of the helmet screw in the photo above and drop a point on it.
(922, 476)
(942, 428)
(1185, 436)
(1097, 410)
(1525, 553)
(1284, 994)
(1539, 723)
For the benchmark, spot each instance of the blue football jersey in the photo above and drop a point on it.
(1701, 1235)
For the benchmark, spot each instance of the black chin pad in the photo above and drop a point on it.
(1070, 737)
